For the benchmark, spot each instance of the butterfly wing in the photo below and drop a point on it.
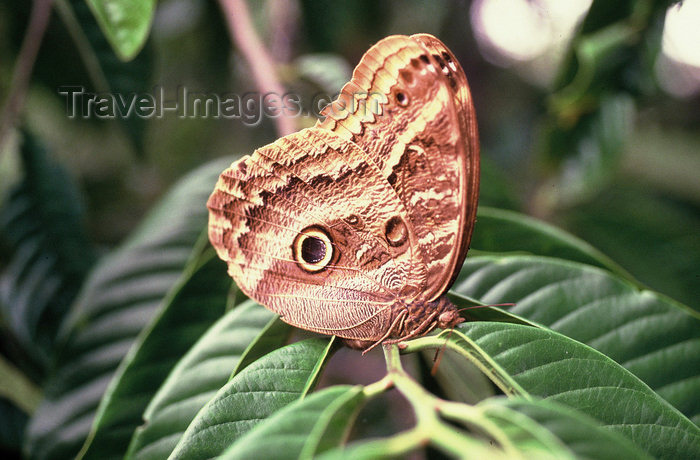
(315, 181)
(408, 105)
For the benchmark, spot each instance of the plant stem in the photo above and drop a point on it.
(378, 387)
(462, 345)
(261, 65)
(38, 20)
(430, 428)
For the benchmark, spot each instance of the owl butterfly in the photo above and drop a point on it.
(358, 226)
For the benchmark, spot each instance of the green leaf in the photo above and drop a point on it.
(653, 337)
(125, 23)
(16, 387)
(198, 300)
(548, 365)
(257, 392)
(582, 436)
(119, 298)
(304, 428)
(498, 230)
(638, 228)
(49, 253)
(273, 336)
(199, 375)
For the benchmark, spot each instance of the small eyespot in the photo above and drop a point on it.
(401, 98)
(312, 249)
(395, 231)
(354, 221)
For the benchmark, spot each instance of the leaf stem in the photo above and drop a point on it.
(462, 345)
(262, 67)
(430, 427)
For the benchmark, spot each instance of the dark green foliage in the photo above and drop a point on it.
(151, 352)
(45, 255)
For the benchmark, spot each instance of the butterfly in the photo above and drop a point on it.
(358, 226)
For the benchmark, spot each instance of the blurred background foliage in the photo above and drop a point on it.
(598, 135)
(588, 115)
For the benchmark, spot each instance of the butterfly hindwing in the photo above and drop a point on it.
(315, 179)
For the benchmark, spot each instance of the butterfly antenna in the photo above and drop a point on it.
(509, 304)
(439, 353)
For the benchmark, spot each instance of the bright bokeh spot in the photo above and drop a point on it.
(681, 39)
(532, 35)
(515, 29)
(678, 68)
(528, 34)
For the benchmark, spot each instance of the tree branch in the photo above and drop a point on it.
(38, 20)
(261, 65)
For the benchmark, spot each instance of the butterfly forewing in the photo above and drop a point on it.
(408, 106)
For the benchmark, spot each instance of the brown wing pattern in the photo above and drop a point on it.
(356, 227)
(408, 105)
(469, 129)
(313, 178)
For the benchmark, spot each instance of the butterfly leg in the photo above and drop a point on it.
(400, 318)
(426, 326)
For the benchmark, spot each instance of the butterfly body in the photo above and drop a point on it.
(357, 227)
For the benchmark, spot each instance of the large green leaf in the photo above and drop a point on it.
(639, 229)
(275, 334)
(125, 23)
(259, 390)
(545, 364)
(199, 375)
(650, 335)
(48, 256)
(499, 230)
(582, 436)
(304, 428)
(119, 298)
(191, 307)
